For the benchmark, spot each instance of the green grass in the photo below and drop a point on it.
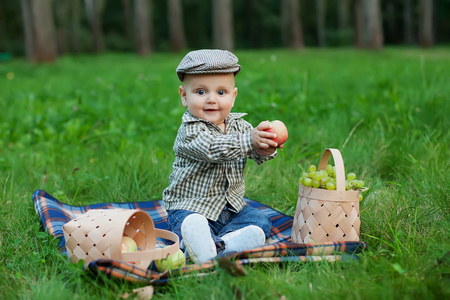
(92, 129)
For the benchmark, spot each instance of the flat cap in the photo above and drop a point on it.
(208, 61)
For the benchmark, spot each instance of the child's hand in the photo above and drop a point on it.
(262, 139)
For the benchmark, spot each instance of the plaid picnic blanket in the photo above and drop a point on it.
(53, 214)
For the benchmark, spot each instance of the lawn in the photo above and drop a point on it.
(91, 129)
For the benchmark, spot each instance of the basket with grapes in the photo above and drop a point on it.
(328, 204)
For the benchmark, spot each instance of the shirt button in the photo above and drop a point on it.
(229, 170)
(228, 193)
(249, 152)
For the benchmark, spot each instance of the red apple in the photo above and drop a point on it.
(280, 130)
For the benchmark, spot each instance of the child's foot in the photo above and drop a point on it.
(197, 238)
(244, 239)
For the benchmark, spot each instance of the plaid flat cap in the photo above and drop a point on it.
(208, 61)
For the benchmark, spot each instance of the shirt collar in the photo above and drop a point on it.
(188, 117)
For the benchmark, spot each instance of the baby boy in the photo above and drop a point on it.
(204, 199)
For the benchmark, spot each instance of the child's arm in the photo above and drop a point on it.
(194, 141)
(262, 139)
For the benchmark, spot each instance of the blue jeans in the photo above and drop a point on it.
(228, 221)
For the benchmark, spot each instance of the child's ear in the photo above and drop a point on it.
(235, 92)
(182, 92)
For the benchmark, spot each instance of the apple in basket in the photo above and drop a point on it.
(280, 130)
(128, 244)
(172, 262)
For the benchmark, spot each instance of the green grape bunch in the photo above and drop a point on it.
(326, 179)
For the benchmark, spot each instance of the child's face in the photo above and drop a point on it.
(209, 96)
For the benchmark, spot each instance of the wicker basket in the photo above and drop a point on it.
(98, 233)
(327, 215)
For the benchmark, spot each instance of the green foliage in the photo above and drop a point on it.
(101, 129)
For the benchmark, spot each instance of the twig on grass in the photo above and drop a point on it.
(351, 133)
(231, 267)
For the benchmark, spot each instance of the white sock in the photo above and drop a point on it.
(246, 238)
(197, 238)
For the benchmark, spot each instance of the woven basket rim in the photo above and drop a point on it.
(347, 196)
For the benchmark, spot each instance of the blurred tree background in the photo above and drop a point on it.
(43, 30)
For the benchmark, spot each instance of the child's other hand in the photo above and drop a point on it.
(262, 139)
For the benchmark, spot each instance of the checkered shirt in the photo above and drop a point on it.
(209, 165)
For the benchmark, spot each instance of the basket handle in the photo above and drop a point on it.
(149, 255)
(338, 163)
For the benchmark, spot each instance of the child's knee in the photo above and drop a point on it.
(266, 225)
(261, 220)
